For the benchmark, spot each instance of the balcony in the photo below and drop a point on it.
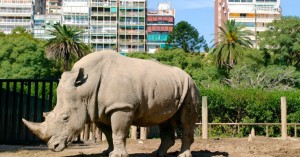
(71, 22)
(134, 14)
(104, 14)
(132, 23)
(105, 23)
(104, 4)
(99, 31)
(132, 32)
(132, 6)
(15, 21)
(105, 41)
(132, 41)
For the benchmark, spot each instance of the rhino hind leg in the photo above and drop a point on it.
(188, 119)
(108, 134)
(167, 138)
(120, 122)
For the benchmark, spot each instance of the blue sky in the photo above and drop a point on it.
(200, 14)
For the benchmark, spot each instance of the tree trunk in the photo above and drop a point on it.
(65, 64)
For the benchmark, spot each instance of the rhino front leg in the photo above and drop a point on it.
(120, 123)
(108, 134)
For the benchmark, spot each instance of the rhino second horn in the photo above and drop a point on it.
(36, 129)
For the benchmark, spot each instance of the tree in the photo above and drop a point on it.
(186, 37)
(22, 56)
(281, 42)
(234, 40)
(65, 44)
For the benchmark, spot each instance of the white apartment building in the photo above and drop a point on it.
(43, 24)
(103, 24)
(77, 13)
(254, 14)
(16, 13)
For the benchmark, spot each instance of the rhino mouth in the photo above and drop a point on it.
(57, 145)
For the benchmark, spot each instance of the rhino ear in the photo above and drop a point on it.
(81, 78)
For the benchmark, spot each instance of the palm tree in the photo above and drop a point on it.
(234, 39)
(66, 43)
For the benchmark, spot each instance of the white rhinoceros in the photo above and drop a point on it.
(115, 92)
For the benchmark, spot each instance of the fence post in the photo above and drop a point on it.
(204, 118)
(143, 133)
(267, 130)
(134, 132)
(283, 119)
(86, 132)
(295, 130)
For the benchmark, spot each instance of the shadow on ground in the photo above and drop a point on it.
(204, 153)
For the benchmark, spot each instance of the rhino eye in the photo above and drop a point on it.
(66, 118)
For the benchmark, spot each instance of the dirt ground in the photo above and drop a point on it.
(232, 147)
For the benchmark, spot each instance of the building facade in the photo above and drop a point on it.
(103, 24)
(16, 13)
(132, 26)
(160, 23)
(107, 24)
(254, 14)
(53, 6)
(43, 24)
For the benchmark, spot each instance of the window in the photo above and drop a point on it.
(243, 15)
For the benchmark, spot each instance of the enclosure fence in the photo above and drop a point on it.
(29, 98)
(23, 98)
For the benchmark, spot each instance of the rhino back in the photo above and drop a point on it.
(153, 90)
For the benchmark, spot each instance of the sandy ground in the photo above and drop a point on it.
(232, 147)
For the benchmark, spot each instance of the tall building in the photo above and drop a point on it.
(103, 24)
(39, 6)
(53, 6)
(132, 26)
(160, 23)
(76, 13)
(16, 13)
(43, 24)
(254, 14)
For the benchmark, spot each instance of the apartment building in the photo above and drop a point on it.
(53, 6)
(103, 24)
(43, 24)
(254, 14)
(76, 13)
(160, 23)
(132, 26)
(16, 13)
(39, 6)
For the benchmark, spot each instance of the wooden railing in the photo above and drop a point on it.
(23, 98)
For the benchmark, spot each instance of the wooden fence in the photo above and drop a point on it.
(23, 98)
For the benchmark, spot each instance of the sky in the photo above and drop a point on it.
(200, 13)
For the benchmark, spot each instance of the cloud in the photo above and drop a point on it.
(191, 4)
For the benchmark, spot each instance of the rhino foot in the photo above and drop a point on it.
(106, 152)
(158, 153)
(186, 153)
(118, 154)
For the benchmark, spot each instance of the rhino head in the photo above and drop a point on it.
(68, 117)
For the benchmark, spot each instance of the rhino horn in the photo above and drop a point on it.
(37, 129)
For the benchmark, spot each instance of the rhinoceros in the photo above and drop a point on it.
(115, 92)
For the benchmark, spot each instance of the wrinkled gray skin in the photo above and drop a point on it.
(116, 92)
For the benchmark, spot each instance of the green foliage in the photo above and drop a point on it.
(22, 56)
(250, 105)
(281, 43)
(66, 44)
(186, 37)
(234, 40)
